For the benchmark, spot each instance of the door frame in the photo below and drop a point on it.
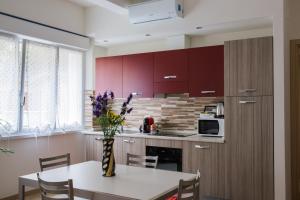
(294, 116)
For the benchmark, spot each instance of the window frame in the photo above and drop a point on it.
(21, 98)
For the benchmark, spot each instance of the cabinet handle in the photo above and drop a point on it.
(201, 147)
(247, 90)
(170, 77)
(208, 91)
(129, 141)
(247, 102)
(137, 93)
(98, 138)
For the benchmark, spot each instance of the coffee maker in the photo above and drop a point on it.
(148, 122)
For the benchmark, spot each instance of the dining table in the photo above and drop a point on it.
(130, 182)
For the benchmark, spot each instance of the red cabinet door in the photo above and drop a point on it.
(170, 66)
(138, 74)
(206, 71)
(109, 75)
(170, 87)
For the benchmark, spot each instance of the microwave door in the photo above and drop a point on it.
(208, 127)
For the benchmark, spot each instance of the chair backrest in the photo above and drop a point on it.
(142, 161)
(54, 161)
(56, 190)
(189, 190)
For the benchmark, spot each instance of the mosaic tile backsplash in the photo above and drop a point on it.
(175, 113)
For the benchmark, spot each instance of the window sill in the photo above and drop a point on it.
(32, 135)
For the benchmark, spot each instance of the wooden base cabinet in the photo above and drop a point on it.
(94, 148)
(249, 148)
(209, 159)
(133, 146)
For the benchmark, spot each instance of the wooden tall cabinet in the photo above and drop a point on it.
(249, 119)
(249, 67)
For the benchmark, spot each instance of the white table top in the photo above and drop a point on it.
(129, 182)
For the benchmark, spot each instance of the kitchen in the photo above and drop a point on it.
(175, 90)
(205, 99)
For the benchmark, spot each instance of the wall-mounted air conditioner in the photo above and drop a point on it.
(155, 10)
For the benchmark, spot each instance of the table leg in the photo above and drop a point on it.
(21, 191)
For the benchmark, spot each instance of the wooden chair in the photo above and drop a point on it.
(142, 161)
(56, 190)
(189, 190)
(55, 161)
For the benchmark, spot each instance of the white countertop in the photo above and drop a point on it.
(193, 138)
(130, 182)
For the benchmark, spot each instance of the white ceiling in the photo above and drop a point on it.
(107, 20)
(123, 3)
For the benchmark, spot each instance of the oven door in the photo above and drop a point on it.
(209, 127)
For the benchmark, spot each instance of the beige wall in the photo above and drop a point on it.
(27, 152)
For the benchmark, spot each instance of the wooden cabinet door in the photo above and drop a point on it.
(249, 148)
(94, 147)
(138, 74)
(118, 150)
(206, 71)
(249, 67)
(134, 146)
(109, 75)
(170, 66)
(197, 156)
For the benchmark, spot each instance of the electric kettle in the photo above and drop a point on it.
(220, 110)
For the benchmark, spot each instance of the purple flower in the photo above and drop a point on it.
(112, 95)
(129, 110)
(129, 98)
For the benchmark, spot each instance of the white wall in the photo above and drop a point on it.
(27, 152)
(59, 13)
(218, 39)
(195, 41)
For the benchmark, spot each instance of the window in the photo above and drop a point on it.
(69, 101)
(41, 88)
(9, 84)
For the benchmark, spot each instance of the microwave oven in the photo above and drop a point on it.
(210, 126)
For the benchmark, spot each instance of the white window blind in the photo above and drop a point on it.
(39, 87)
(9, 84)
(69, 99)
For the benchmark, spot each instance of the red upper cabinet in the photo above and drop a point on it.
(109, 75)
(206, 71)
(171, 72)
(138, 74)
(170, 66)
